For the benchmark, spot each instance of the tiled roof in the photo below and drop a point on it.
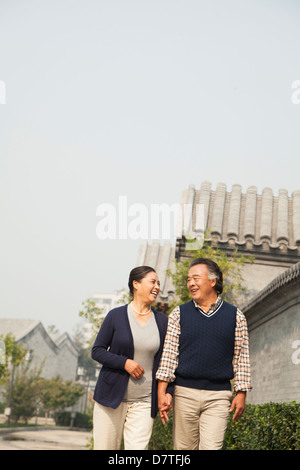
(21, 328)
(18, 327)
(246, 219)
(292, 274)
(265, 226)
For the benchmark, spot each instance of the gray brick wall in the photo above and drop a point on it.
(274, 330)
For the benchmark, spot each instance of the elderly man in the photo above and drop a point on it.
(206, 346)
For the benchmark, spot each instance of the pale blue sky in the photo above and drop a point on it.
(138, 98)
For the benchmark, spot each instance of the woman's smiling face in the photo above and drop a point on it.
(148, 288)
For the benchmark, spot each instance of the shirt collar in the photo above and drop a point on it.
(212, 307)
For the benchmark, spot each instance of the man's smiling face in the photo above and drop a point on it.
(200, 287)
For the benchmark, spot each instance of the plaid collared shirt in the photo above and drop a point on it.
(241, 360)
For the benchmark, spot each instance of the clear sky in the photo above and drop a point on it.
(138, 98)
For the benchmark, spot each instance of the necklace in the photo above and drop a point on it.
(139, 313)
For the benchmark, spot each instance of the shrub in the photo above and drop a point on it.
(81, 420)
(270, 426)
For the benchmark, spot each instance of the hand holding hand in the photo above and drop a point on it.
(164, 406)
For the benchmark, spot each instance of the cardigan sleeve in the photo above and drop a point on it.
(101, 349)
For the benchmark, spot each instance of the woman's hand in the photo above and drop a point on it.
(164, 406)
(134, 369)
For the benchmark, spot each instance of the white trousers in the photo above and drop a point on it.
(132, 419)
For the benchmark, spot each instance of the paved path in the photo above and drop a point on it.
(44, 439)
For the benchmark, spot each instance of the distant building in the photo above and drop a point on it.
(107, 301)
(58, 354)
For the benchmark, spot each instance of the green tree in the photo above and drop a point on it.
(12, 354)
(25, 392)
(57, 394)
(52, 330)
(92, 313)
(231, 267)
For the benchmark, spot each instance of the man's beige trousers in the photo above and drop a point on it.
(200, 418)
(134, 419)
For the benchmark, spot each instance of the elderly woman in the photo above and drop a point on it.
(129, 346)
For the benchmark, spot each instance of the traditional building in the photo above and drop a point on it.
(58, 355)
(263, 226)
(266, 227)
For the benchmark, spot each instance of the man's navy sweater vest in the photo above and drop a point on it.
(206, 347)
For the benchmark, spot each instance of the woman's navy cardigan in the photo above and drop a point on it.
(113, 346)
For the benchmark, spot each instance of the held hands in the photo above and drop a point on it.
(164, 399)
(164, 406)
(134, 369)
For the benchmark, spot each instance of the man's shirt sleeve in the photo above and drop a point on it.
(169, 358)
(241, 358)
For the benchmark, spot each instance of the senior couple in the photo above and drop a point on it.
(149, 361)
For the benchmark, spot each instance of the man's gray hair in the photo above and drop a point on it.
(213, 270)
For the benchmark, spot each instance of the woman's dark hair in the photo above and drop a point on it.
(137, 274)
(214, 272)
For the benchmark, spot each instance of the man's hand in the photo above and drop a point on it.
(134, 369)
(164, 406)
(164, 401)
(238, 403)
